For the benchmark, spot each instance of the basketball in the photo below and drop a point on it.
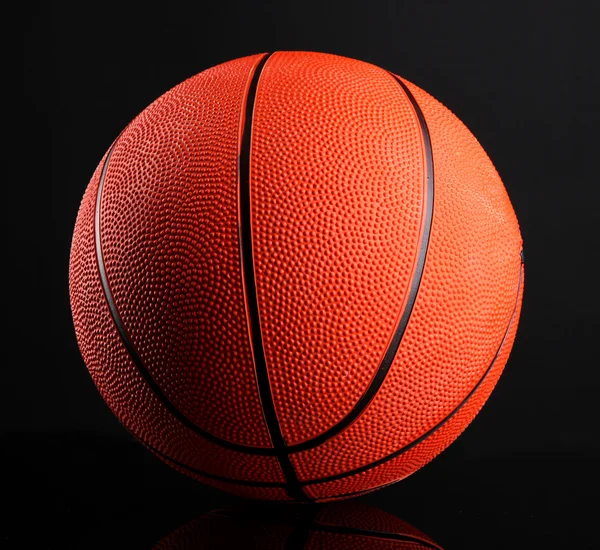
(296, 276)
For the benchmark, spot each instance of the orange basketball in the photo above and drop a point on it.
(296, 276)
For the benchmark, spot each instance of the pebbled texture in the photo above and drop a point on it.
(461, 313)
(337, 176)
(119, 381)
(418, 456)
(169, 234)
(337, 194)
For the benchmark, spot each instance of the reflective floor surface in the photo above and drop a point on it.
(88, 491)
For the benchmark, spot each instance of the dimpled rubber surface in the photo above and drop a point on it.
(122, 386)
(419, 455)
(338, 195)
(334, 250)
(465, 301)
(169, 232)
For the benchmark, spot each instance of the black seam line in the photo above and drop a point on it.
(420, 439)
(392, 349)
(131, 348)
(357, 493)
(293, 488)
(383, 535)
(246, 483)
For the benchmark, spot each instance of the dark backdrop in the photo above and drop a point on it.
(523, 77)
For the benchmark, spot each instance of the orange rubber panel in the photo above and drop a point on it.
(462, 311)
(245, 490)
(418, 456)
(169, 234)
(296, 276)
(121, 384)
(335, 233)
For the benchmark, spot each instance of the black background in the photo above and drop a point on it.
(523, 77)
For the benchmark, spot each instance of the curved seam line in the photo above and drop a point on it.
(359, 493)
(390, 354)
(137, 361)
(430, 432)
(293, 487)
(216, 477)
